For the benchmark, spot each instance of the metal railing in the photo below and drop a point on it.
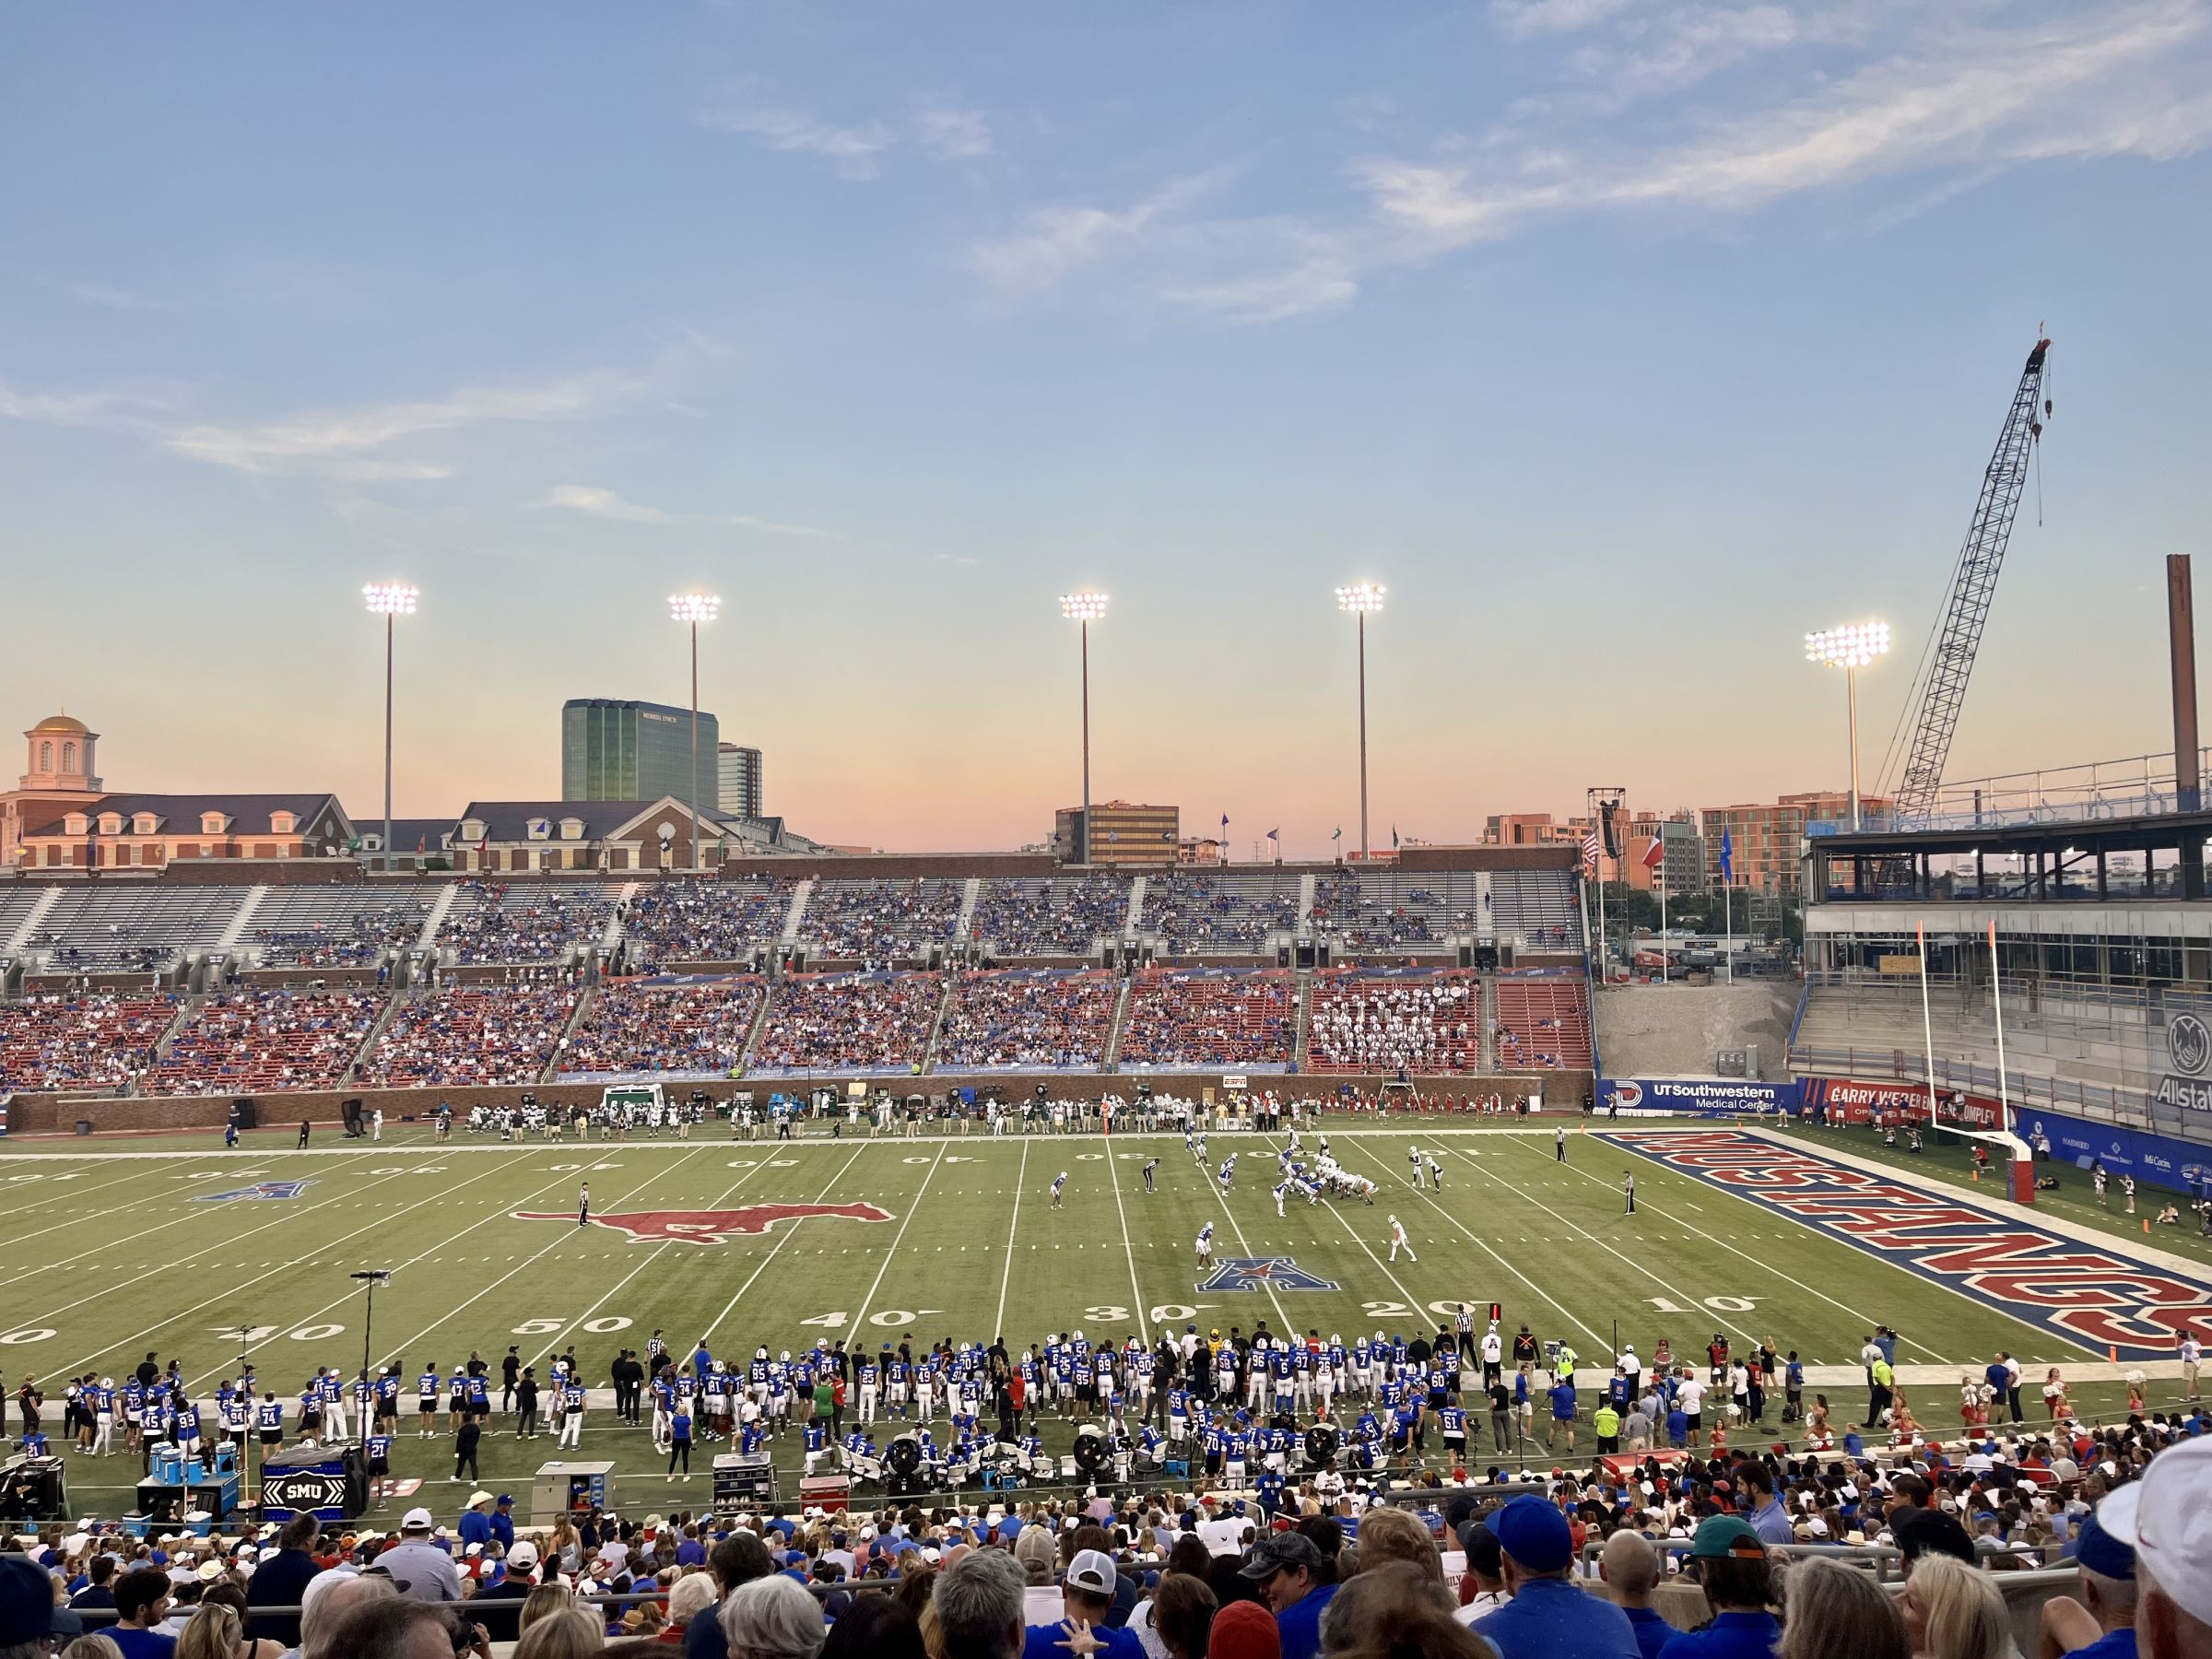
(2128, 1108)
(2134, 786)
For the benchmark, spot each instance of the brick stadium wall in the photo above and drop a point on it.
(56, 1113)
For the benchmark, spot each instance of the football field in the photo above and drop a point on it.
(175, 1246)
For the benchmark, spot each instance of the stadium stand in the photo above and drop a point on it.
(880, 920)
(94, 1041)
(350, 926)
(265, 1040)
(1424, 1020)
(1027, 1019)
(16, 905)
(847, 1022)
(1539, 905)
(141, 929)
(1208, 1018)
(525, 921)
(670, 1024)
(1543, 1024)
(726, 921)
(464, 1034)
(1051, 915)
(1197, 913)
(1379, 911)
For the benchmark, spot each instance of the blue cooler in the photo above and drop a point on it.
(167, 1465)
(139, 1527)
(199, 1522)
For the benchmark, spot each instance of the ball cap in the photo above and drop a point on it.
(25, 1598)
(1278, 1552)
(1534, 1533)
(1093, 1570)
(1719, 1535)
(2170, 1526)
(2097, 1548)
(416, 1518)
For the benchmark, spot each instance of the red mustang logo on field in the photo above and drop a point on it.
(714, 1226)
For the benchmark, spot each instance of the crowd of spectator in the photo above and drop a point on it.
(1208, 1018)
(1027, 1017)
(525, 921)
(665, 1025)
(1196, 914)
(848, 1022)
(1424, 1022)
(1049, 915)
(882, 922)
(464, 1034)
(1400, 919)
(272, 1040)
(96, 1040)
(355, 940)
(706, 921)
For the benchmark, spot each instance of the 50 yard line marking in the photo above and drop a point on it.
(1021, 1179)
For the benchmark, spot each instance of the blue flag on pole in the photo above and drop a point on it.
(1727, 859)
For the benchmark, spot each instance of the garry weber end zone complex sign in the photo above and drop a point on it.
(2089, 1295)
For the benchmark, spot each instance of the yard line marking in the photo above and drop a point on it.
(1137, 1296)
(782, 1239)
(1786, 1278)
(135, 1337)
(891, 1254)
(347, 1296)
(998, 1326)
(1493, 1254)
(529, 1261)
(1246, 1248)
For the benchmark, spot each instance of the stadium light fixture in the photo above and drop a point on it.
(1850, 648)
(1083, 609)
(389, 600)
(691, 609)
(1361, 599)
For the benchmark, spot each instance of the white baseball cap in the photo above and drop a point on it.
(2169, 1525)
(1093, 1570)
(414, 1519)
(523, 1553)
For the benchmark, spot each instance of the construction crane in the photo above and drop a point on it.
(1940, 684)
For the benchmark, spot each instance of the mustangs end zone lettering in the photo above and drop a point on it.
(2090, 1295)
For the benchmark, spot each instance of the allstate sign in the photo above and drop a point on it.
(1697, 1097)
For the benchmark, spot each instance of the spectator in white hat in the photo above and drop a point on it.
(2172, 1536)
(418, 1565)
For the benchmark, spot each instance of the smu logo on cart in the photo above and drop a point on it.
(260, 1189)
(1263, 1273)
(714, 1225)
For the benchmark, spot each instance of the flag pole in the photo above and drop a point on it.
(1728, 918)
(1927, 1025)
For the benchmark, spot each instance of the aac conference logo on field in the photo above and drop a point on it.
(260, 1189)
(1263, 1273)
(712, 1226)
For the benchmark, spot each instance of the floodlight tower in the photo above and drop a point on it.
(388, 600)
(692, 610)
(1850, 648)
(1361, 598)
(1084, 608)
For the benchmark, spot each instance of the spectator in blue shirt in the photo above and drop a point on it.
(1549, 1617)
(1730, 1561)
(1295, 1582)
(2100, 1624)
(502, 1522)
(1086, 1596)
(142, 1598)
(1629, 1566)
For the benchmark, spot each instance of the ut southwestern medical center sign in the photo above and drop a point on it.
(1714, 1097)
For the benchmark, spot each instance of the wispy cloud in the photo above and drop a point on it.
(130, 409)
(1954, 102)
(943, 132)
(315, 440)
(599, 503)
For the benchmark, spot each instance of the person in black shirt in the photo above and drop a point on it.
(525, 1403)
(464, 1448)
(510, 1369)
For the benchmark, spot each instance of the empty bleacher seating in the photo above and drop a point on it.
(464, 1034)
(1543, 1024)
(1208, 1018)
(1539, 905)
(880, 920)
(692, 1026)
(93, 1041)
(670, 922)
(1049, 915)
(1422, 1021)
(106, 929)
(1199, 913)
(525, 921)
(339, 926)
(847, 1022)
(1027, 1019)
(265, 1040)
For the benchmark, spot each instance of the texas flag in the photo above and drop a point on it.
(1654, 855)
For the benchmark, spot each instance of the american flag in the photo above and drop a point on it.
(1590, 849)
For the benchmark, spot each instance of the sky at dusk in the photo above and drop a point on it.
(1624, 341)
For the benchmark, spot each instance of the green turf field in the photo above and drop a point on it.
(110, 1252)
